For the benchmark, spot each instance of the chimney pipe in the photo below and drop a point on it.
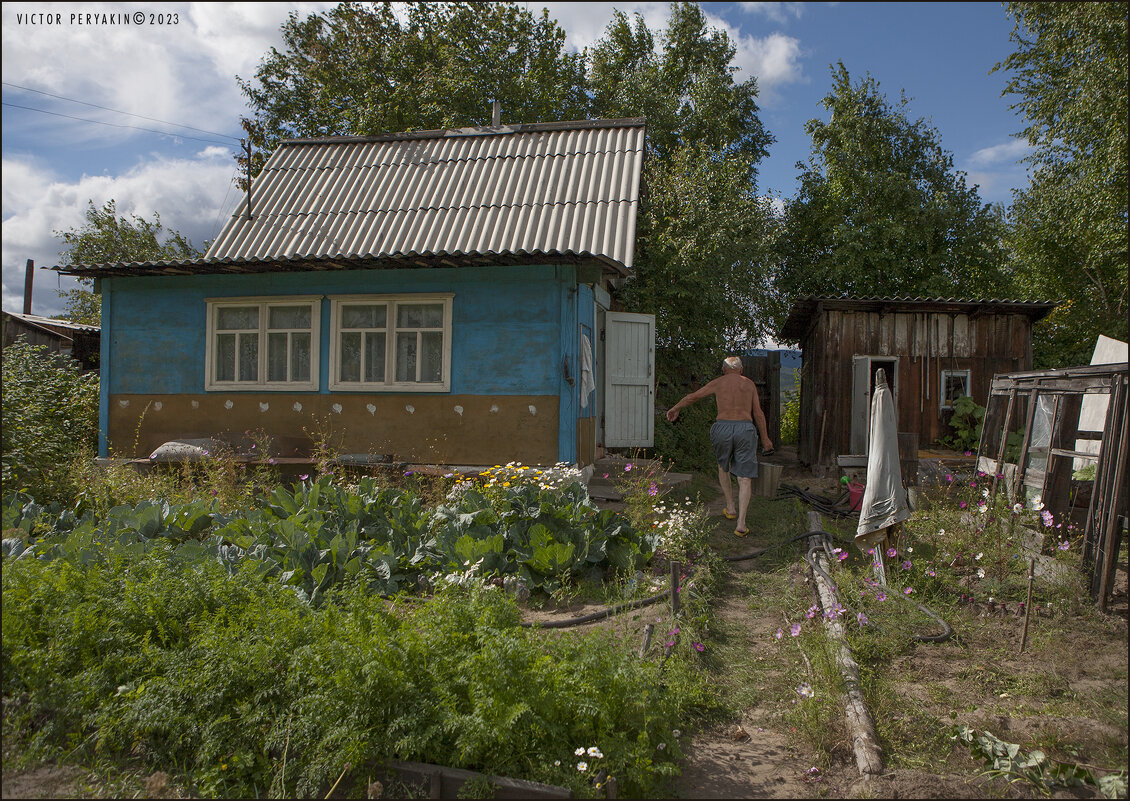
(29, 276)
(496, 114)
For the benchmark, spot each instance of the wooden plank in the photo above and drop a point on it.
(444, 782)
(961, 345)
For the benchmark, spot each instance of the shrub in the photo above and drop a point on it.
(790, 418)
(966, 422)
(50, 413)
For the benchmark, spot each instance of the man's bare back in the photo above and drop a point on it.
(734, 393)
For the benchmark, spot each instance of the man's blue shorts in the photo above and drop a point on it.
(735, 446)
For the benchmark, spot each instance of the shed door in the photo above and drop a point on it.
(629, 380)
(863, 369)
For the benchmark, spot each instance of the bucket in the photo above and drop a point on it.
(768, 479)
(855, 496)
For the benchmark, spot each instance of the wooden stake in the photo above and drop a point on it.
(1028, 603)
(675, 568)
(648, 630)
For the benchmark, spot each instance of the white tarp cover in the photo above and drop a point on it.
(884, 499)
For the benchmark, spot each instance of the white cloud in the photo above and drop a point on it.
(777, 12)
(1009, 152)
(186, 193)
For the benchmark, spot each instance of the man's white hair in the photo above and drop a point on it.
(732, 363)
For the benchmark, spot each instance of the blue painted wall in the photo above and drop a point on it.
(513, 328)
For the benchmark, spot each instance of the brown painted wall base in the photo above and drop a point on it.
(436, 429)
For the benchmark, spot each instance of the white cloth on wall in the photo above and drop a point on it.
(588, 384)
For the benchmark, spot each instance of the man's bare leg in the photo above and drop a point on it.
(727, 489)
(745, 490)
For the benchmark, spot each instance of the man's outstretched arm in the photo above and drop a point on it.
(687, 400)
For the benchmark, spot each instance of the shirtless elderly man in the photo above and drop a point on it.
(733, 437)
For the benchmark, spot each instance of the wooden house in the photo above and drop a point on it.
(933, 350)
(438, 297)
(80, 342)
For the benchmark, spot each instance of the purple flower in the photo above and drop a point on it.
(699, 647)
(214, 492)
(907, 565)
(1063, 546)
(969, 453)
(862, 618)
(962, 505)
(1046, 516)
(673, 632)
(812, 610)
(670, 643)
(303, 477)
(908, 591)
(949, 478)
(880, 596)
(272, 460)
(892, 552)
(606, 475)
(628, 467)
(843, 555)
(795, 629)
(653, 489)
(780, 633)
(931, 573)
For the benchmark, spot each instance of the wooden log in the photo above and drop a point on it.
(864, 739)
(443, 782)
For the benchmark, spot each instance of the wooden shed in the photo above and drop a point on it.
(80, 342)
(933, 350)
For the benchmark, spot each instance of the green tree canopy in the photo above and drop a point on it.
(881, 210)
(1068, 235)
(106, 238)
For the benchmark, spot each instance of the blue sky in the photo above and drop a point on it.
(184, 71)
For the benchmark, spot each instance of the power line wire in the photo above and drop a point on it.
(116, 125)
(119, 111)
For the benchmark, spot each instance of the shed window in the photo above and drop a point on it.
(955, 384)
(263, 344)
(391, 342)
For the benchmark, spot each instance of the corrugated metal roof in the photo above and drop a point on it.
(49, 322)
(562, 188)
(803, 309)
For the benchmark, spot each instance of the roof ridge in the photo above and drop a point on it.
(482, 130)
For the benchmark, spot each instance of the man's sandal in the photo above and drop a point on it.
(729, 516)
(740, 532)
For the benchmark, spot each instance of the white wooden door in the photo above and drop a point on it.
(629, 380)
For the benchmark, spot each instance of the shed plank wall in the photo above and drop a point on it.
(925, 344)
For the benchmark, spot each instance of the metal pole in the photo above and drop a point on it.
(29, 277)
(1028, 603)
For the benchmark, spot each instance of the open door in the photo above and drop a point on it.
(863, 369)
(629, 380)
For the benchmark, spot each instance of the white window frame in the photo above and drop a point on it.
(261, 384)
(942, 385)
(392, 302)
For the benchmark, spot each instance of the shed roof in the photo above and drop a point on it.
(804, 309)
(471, 195)
(55, 326)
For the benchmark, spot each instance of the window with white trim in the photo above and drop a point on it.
(955, 384)
(262, 344)
(391, 342)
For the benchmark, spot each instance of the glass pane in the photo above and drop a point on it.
(405, 357)
(225, 357)
(289, 317)
(350, 367)
(248, 357)
(375, 356)
(431, 356)
(957, 385)
(276, 357)
(299, 357)
(370, 316)
(234, 318)
(418, 315)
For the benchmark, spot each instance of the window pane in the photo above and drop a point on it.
(368, 316)
(418, 315)
(956, 386)
(232, 318)
(248, 357)
(225, 357)
(431, 356)
(300, 357)
(276, 357)
(289, 317)
(406, 357)
(375, 356)
(350, 367)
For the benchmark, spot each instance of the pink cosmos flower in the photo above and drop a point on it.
(880, 596)
(962, 505)
(628, 467)
(843, 555)
(700, 648)
(907, 565)
(780, 633)
(862, 618)
(303, 477)
(1046, 516)
(1065, 545)
(908, 591)
(892, 552)
(795, 629)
